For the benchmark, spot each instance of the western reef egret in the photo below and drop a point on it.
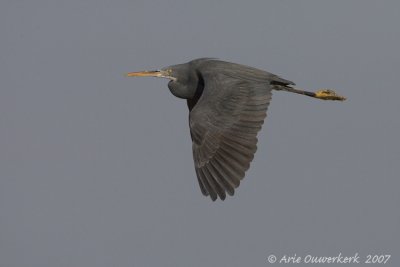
(227, 105)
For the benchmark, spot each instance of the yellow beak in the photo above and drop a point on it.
(150, 73)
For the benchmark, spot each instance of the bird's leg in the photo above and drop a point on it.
(324, 94)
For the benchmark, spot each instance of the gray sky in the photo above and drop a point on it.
(96, 169)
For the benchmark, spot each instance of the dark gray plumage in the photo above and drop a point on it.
(228, 104)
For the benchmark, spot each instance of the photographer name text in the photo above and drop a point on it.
(339, 258)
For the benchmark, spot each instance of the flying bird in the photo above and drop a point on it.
(227, 105)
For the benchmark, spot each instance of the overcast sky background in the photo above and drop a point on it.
(96, 169)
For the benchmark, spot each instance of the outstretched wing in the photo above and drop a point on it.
(224, 124)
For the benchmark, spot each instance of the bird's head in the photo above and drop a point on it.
(183, 83)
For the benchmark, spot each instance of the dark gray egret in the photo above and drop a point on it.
(227, 106)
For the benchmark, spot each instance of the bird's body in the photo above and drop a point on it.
(227, 106)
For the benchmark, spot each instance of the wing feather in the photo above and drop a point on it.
(224, 125)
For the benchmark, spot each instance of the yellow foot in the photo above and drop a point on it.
(327, 94)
